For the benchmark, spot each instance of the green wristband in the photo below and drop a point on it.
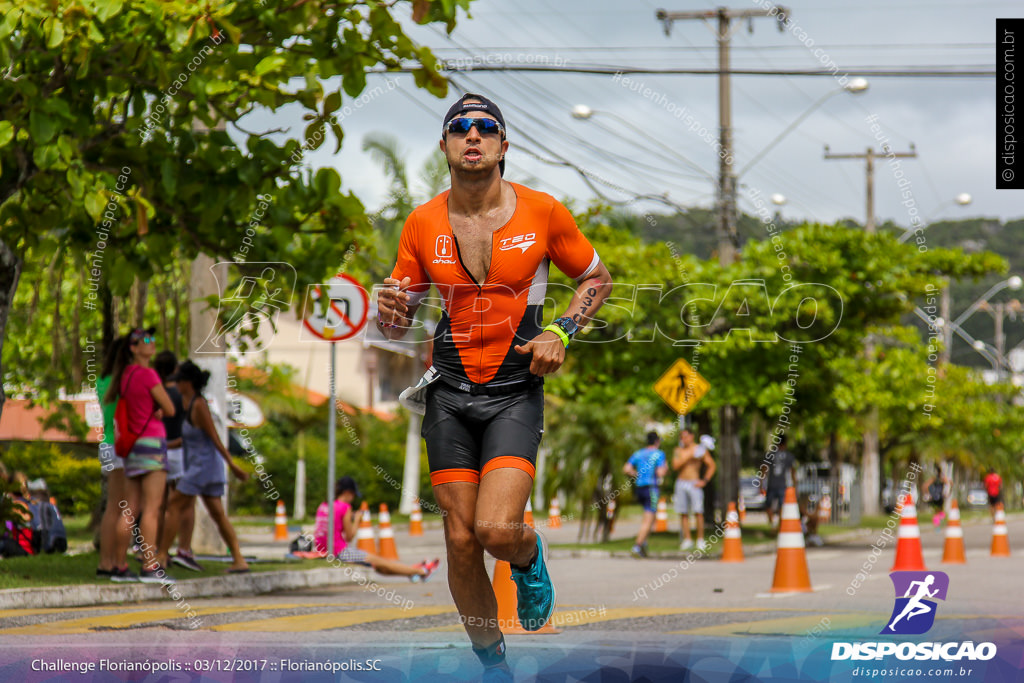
(560, 332)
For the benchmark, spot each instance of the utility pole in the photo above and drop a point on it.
(869, 157)
(728, 241)
(870, 464)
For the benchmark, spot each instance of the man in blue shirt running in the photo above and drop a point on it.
(647, 466)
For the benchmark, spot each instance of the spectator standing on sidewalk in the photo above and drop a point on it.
(205, 456)
(166, 365)
(689, 492)
(115, 532)
(145, 467)
(647, 467)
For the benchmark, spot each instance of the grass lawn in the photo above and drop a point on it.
(37, 571)
(753, 533)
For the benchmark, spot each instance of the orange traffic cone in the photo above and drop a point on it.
(908, 541)
(508, 597)
(364, 535)
(554, 515)
(661, 516)
(732, 546)
(280, 522)
(743, 511)
(416, 520)
(953, 551)
(825, 510)
(386, 547)
(1000, 542)
(791, 575)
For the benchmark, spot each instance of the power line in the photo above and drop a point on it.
(969, 71)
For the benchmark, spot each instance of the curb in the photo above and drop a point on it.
(215, 586)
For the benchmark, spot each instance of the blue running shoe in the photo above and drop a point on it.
(536, 600)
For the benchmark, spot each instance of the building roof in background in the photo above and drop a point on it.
(22, 421)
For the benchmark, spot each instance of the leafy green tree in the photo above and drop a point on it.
(830, 286)
(402, 196)
(121, 140)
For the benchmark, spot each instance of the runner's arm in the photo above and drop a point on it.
(394, 312)
(547, 347)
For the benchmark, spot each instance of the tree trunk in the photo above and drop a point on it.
(56, 276)
(77, 365)
(10, 272)
(108, 333)
(141, 294)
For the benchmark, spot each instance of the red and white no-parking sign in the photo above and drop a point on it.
(345, 315)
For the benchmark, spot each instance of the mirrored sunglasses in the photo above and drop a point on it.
(462, 124)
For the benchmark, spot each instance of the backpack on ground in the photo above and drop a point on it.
(48, 533)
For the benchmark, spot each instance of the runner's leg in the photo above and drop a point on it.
(467, 577)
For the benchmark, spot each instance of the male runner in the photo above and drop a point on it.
(689, 491)
(486, 244)
(646, 466)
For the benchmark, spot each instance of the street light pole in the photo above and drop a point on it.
(728, 240)
(870, 460)
(857, 85)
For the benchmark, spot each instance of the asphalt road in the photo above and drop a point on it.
(661, 618)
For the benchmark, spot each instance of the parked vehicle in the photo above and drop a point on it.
(977, 496)
(815, 480)
(750, 493)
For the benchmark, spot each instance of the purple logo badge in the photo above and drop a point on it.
(916, 592)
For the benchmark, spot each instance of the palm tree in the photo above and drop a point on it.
(588, 449)
(402, 198)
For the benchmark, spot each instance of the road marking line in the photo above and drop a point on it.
(8, 613)
(817, 589)
(591, 616)
(323, 621)
(790, 626)
(115, 621)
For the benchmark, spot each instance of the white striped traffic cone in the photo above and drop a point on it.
(732, 544)
(364, 535)
(953, 550)
(416, 520)
(661, 516)
(791, 575)
(280, 522)
(386, 539)
(908, 541)
(554, 515)
(1000, 542)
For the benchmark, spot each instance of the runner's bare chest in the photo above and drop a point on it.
(473, 234)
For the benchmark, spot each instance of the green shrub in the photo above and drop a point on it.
(74, 480)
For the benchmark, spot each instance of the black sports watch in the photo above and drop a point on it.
(567, 325)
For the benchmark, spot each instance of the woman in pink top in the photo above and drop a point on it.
(145, 468)
(345, 493)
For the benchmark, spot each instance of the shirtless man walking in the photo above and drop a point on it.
(689, 494)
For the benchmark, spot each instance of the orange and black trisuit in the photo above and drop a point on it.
(488, 409)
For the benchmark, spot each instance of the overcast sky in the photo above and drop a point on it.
(638, 145)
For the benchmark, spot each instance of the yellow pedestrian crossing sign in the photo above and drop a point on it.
(681, 387)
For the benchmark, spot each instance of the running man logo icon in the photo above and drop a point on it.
(913, 613)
